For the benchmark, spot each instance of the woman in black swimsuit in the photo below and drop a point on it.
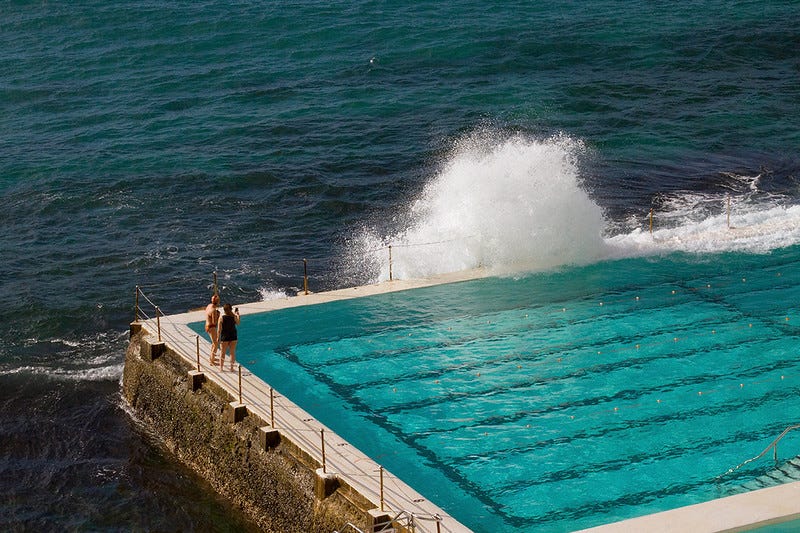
(226, 335)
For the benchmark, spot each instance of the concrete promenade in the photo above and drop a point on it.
(741, 512)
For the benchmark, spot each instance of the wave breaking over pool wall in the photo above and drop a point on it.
(505, 206)
(513, 204)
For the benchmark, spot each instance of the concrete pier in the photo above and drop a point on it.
(269, 437)
(326, 483)
(152, 350)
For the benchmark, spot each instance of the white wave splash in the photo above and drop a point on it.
(518, 205)
(268, 293)
(503, 206)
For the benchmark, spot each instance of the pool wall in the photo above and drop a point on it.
(274, 486)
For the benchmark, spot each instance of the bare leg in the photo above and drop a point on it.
(213, 335)
(222, 355)
(233, 353)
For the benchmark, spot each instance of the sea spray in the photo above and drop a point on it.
(509, 205)
(269, 293)
(519, 205)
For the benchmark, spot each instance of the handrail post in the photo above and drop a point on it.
(197, 338)
(390, 262)
(136, 304)
(305, 276)
(158, 322)
(381, 473)
(729, 211)
(272, 407)
(322, 437)
(240, 384)
(216, 289)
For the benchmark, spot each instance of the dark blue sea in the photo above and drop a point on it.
(154, 144)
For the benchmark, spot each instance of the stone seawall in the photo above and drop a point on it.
(271, 480)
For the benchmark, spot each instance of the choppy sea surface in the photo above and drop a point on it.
(154, 144)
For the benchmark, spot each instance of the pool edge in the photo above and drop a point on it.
(740, 512)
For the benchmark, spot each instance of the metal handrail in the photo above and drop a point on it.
(349, 525)
(408, 517)
(411, 518)
(773, 445)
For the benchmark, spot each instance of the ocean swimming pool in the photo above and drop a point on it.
(556, 401)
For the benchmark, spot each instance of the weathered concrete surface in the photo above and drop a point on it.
(275, 487)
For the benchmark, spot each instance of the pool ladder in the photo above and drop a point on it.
(773, 446)
(405, 521)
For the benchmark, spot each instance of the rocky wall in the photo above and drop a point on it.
(275, 486)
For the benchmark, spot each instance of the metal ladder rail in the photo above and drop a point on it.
(412, 518)
(773, 445)
(410, 524)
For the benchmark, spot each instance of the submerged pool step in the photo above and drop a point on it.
(788, 472)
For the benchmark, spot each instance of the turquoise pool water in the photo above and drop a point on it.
(561, 400)
(787, 527)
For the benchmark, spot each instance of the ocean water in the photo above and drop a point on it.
(155, 144)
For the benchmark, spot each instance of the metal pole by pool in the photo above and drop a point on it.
(322, 437)
(272, 407)
(390, 262)
(381, 487)
(305, 276)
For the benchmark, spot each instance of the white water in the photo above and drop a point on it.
(269, 293)
(90, 358)
(111, 372)
(753, 229)
(518, 205)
